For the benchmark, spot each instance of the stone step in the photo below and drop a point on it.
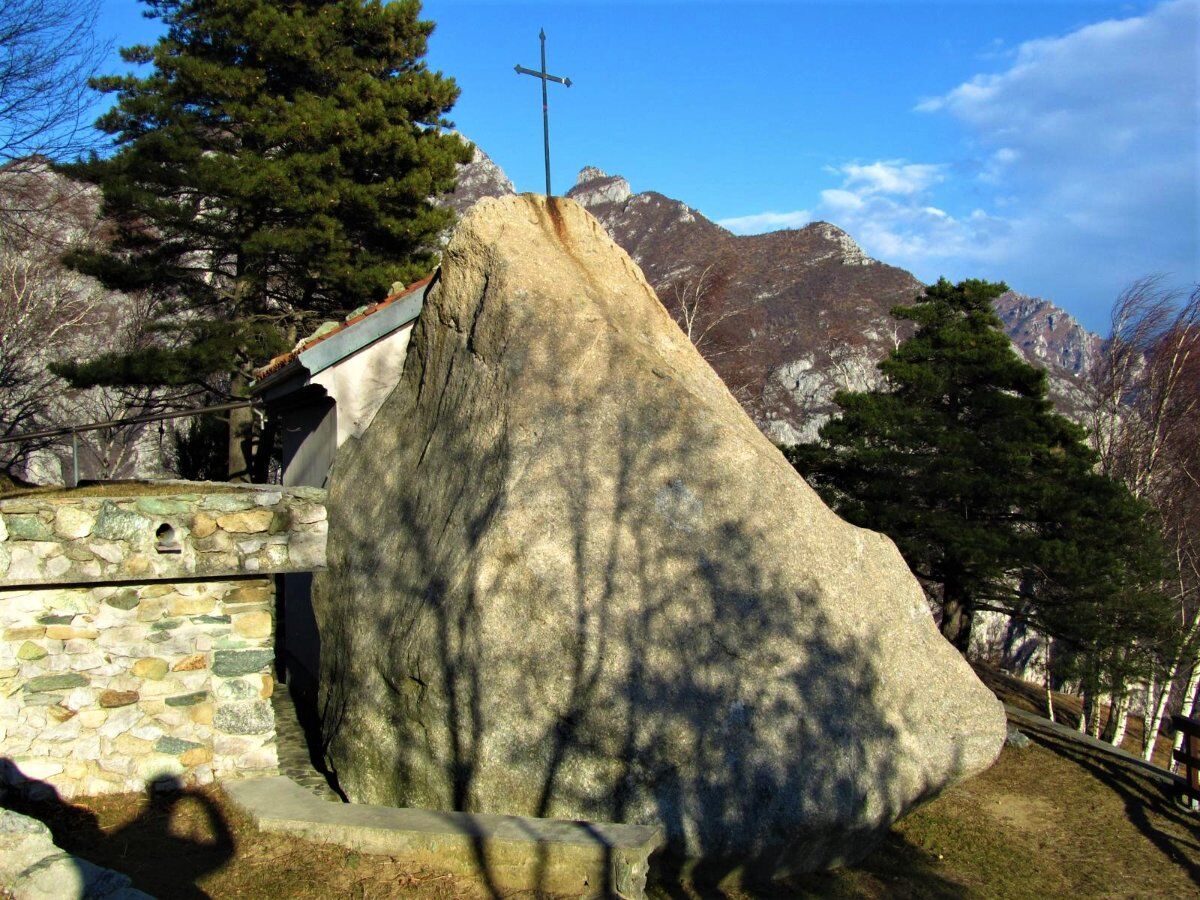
(553, 856)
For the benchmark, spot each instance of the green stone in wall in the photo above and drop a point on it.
(187, 699)
(28, 528)
(158, 506)
(210, 620)
(30, 651)
(115, 524)
(125, 599)
(229, 663)
(63, 682)
(174, 745)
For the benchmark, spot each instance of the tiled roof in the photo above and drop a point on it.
(286, 359)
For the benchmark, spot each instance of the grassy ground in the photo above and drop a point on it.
(1048, 820)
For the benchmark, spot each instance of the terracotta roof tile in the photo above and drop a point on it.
(285, 359)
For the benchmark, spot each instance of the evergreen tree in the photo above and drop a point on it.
(989, 495)
(275, 168)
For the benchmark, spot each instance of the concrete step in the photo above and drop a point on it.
(552, 856)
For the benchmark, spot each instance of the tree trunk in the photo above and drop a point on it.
(957, 617)
(1155, 705)
(1049, 682)
(1118, 723)
(241, 433)
(1163, 697)
(1118, 700)
(1091, 706)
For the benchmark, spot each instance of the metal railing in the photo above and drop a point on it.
(1189, 755)
(75, 430)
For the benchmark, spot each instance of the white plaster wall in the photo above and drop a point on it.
(361, 382)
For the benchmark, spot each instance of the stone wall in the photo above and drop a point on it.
(147, 664)
(181, 530)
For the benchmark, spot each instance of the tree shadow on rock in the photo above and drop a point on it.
(149, 847)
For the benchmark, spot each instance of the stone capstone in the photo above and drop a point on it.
(568, 577)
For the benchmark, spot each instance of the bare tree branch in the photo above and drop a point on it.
(48, 51)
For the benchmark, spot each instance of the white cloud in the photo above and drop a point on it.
(885, 206)
(766, 221)
(891, 176)
(1092, 138)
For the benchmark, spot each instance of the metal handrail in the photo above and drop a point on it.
(74, 430)
(132, 420)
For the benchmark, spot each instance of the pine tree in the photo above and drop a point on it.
(276, 167)
(989, 495)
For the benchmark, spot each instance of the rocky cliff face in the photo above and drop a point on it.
(51, 313)
(1051, 338)
(788, 317)
(569, 577)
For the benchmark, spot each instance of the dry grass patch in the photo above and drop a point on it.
(10, 490)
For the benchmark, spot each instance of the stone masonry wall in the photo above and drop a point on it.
(113, 682)
(109, 688)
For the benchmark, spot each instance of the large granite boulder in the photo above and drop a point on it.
(568, 577)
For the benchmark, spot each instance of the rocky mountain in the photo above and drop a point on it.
(790, 317)
(479, 178)
(1051, 338)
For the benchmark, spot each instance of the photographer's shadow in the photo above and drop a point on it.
(177, 838)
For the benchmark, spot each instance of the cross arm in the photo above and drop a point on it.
(521, 70)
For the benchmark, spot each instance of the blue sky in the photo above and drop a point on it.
(1049, 144)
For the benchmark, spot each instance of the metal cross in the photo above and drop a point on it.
(521, 70)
